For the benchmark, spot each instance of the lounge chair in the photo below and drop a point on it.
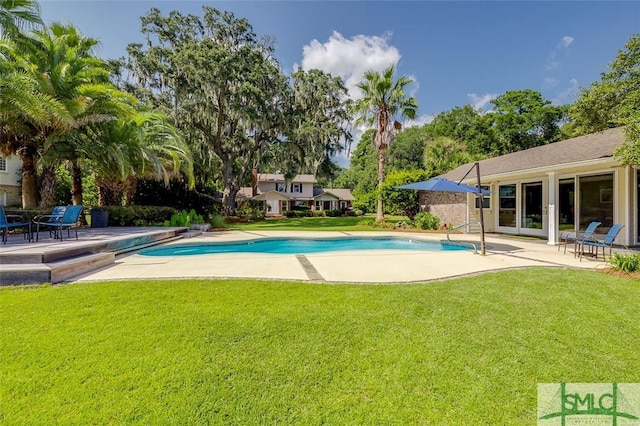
(46, 219)
(69, 220)
(606, 242)
(575, 236)
(10, 221)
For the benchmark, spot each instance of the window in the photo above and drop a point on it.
(486, 199)
(285, 206)
(318, 204)
(281, 187)
(3, 164)
(507, 208)
(296, 187)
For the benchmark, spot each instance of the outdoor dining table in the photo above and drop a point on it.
(28, 215)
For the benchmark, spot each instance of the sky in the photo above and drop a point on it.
(457, 52)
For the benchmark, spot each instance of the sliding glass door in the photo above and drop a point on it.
(531, 211)
(596, 201)
(567, 204)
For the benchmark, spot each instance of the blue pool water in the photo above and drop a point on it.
(302, 246)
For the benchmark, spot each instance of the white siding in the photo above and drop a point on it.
(10, 175)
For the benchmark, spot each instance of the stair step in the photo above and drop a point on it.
(55, 261)
(69, 268)
(21, 273)
(54, 272)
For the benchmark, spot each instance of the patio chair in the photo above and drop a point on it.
(46, 219)
(69, 220)
(606, 242)
(10, 221)
(575, 236)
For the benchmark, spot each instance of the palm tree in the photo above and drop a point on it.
(444, 154)
(16, 15)
(383, 99)
(145, 146)
(56, 89)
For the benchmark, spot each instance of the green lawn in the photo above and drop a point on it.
(349, 223)
(464, 351)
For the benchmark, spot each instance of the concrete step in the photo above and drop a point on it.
(24, 273)
(55, 261)
(70, 268)
(53, 272)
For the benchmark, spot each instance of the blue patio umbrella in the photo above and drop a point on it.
(445, 185)
(441, 184)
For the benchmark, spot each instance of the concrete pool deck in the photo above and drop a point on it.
(379, 266)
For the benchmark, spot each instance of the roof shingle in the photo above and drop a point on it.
(583, 148)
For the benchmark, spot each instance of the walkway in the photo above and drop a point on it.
(391, 266)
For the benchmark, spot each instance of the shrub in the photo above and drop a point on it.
(402, 201)
(318, 213)
(138, 215)
(357, 212)
(177, 194)
(333, 213)
(299, 213)
(250, 209)
(384, 225)
(365, 201)
(216, 220)
(184, 218)
(625, 262)
(369, 221)
(425, 220)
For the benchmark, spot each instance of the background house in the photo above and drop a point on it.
(545, 190)
(280, 195)
(10, 188)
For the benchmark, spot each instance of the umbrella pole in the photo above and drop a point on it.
(481, 198)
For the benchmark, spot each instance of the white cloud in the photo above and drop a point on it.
(565, 42)
(552, 60)
(567, 95)
(549, 82)
(478, 102)
(552, 64)
(419, 121)
(350, 58)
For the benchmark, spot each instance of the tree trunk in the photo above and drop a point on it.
(48, 185)
(130, 190)
(230, 190)
(29, 182)
(381, 160)
(109, 193)
(76, 184)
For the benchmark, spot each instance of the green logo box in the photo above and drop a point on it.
(561, 404)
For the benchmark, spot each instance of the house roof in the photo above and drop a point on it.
(271, 195)
(245, 192)
(277, 177)
(583, 148)
(339, 193)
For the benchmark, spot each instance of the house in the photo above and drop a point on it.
(280, 195)
(10, 189)
(545, 190)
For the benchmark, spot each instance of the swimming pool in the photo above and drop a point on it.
(303, 246)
